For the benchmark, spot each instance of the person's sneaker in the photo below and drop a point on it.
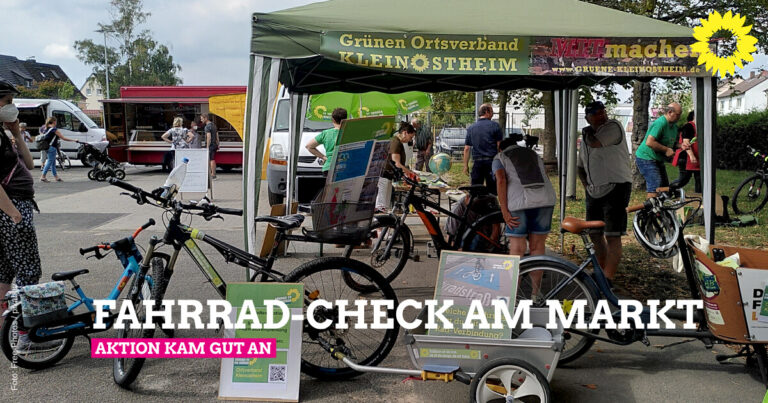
(25, 344)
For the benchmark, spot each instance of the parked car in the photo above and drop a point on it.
(451, 140)
(309, 175)
(71, 121)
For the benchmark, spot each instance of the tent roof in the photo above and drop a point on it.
(296, 34)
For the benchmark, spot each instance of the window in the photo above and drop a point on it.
(738, 103)
(55, 74)
(28, 83)
(730, 103)
(42, 74)
(88, 92)
(722, 105)
(98, 91)
(64, 120)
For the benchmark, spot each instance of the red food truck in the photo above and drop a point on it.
(137, 119)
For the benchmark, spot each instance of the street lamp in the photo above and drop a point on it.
(105, 30)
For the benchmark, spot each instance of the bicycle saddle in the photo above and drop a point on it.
(477, 190)
(284, 222)
(67, 275)
(577, 226)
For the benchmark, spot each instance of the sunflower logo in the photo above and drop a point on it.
(320, 111)
(420, 62)
(745, 43)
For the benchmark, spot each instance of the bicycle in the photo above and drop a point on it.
(323, 278)
(472, 233)
(65, 330)
(558, 279)
(752, 193)
(63, 159)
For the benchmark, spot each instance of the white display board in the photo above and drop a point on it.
(752, 285)
(196, 180)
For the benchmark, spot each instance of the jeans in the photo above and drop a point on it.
(50, 163)
(654, 172)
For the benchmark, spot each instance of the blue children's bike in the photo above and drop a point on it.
(36, 344)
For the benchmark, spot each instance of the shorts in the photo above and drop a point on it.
(212, 153)
(611, 209)
(654, 172)
(537, 221)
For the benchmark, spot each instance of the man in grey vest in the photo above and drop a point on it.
(604, 170)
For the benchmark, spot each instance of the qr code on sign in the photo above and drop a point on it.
(277, 373)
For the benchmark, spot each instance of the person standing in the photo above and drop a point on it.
(195, 143)
(25, 133)
(405, 133)
(657, 147)
(483, 138)
(328, 139)
(604, 170)
(178, 137)
(19, 255)
(55, 136)
(687, 161)
(211, 141)
(423, 145)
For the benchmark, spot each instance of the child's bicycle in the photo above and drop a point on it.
(39, 328)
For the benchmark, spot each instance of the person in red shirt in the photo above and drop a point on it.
(687, 158)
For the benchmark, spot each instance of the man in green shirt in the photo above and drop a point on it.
(657, 146)
(328, 139)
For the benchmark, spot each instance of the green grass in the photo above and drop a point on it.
(642, 276)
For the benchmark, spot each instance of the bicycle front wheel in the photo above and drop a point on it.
(324, 279)
(125, 370)
(751, 195)
(64, 160)
(538, 279)
(388, 260)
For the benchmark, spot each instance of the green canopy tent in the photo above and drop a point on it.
(439, 45)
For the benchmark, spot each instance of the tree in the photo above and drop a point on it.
(138, 60)
(49, 89)
(675, 90)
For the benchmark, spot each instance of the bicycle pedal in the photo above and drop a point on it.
(431, 250)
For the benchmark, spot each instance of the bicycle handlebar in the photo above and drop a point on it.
(210, 209)
(149, 223)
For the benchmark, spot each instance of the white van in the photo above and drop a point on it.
(72, 123)
(309, 175)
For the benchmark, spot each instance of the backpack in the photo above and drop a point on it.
(43, 141)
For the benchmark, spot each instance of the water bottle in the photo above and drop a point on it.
(175, 179)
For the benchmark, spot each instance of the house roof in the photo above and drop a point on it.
(744, 86)
(19, 72)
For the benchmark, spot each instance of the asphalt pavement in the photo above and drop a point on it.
(78, 213)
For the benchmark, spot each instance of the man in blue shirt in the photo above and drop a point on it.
(483, 138)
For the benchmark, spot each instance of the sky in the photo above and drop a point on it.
(208, 38)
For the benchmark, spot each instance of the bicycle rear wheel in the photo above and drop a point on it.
(751, 195)
(125, 370)
(324, 279)
(536, 281)
(388, 263)
(27, 354)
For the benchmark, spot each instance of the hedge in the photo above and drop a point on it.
(735, 133)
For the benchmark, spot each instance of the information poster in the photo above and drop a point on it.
(361, 154)
(196, 180)
(464, 277)
(752, 286)
(265, 379)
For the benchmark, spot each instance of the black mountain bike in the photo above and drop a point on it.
(752, 194)
(484, 234)
(324, 278)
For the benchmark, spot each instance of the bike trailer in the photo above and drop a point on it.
(43, 303)
(734, 292)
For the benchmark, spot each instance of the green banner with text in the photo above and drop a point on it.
(429, 53)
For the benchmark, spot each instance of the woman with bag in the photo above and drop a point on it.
(53, 137)
(19, 256)
(687, 158)
(178, 137)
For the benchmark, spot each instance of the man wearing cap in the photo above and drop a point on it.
(657, 146)
(604, 170)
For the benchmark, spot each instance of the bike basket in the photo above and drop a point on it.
(341, 222)
(43, 303)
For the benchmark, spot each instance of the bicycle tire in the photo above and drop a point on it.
(583, 289)
(401, 248)
(744, 192)
(92, 174)
(120, 173)
(327, 269)
(63, 159)
(21, 360)
(124, 371)
(523, 373)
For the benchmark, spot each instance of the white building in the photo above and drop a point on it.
(93, 94)
(744, 96)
